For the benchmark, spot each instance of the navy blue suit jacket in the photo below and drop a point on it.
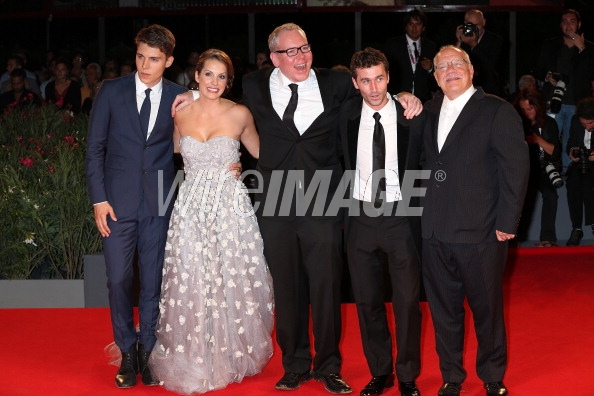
(122, 165)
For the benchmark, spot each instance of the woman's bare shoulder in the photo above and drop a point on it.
(240, 110)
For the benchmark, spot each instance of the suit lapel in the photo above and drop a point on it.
(353, 136)
(403, 140)
(467, 115)
(326, 90)
(131, 106)
(435, 123)
(265, 94)
(164, 112)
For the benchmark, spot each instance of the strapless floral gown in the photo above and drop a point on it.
(216, 306)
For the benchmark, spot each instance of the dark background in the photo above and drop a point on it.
(331, 31)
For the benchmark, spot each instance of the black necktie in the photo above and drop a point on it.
(416, 52)
(290, 110)
(145, 112)
(379, 160)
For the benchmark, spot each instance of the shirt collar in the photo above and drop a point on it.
(461, 100)
(283, 81)
(411, 41)
(385, 111)
(141, 87)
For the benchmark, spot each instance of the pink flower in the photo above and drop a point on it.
(50, 169)
(69, 139)
(28, 162)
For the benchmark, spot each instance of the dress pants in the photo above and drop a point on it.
(451, 272)
(375, 244)
(146, 235)
(305, 260)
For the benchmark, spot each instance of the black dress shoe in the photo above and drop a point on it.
(378, 384)
(409, 389)
(126, 376)
(292, 381)
(450, 389)
(496, 389)
(575, 237)
(333, 383)
(145, 371)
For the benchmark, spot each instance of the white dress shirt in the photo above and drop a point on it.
(450, 110)
(155, 96)
(363, 185)
(309, 103)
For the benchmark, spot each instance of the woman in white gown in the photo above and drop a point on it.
(216, 307)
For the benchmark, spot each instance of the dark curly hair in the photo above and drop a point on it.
(367, 58)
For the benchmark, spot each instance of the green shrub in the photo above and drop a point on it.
(46, 217)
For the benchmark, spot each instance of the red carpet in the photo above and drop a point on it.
(549, 313)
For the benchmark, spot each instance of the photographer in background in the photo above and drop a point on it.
(544, 148)
(566, 63)
(484, 48)
(411, 58)
(580, 174)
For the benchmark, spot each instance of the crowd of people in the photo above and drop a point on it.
(340, 156)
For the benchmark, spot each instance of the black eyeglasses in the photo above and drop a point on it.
(295, 50)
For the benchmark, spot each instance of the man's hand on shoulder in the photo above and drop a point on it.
(412, 105)
(181, 101)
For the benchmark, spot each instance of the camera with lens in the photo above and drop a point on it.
(582, 154)
(551, 170)
(558, 93)
(554, 176)
(469, 29)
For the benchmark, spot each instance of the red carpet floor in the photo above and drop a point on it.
(549, 313)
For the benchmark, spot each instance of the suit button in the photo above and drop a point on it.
(146, 147)
(298, 141)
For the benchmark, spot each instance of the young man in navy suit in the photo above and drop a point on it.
(130, 172)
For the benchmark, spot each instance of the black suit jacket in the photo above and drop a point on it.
(282, 150)
(478, 180)
(401, 72)
(410, 147)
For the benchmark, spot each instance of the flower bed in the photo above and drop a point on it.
(47, 220)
